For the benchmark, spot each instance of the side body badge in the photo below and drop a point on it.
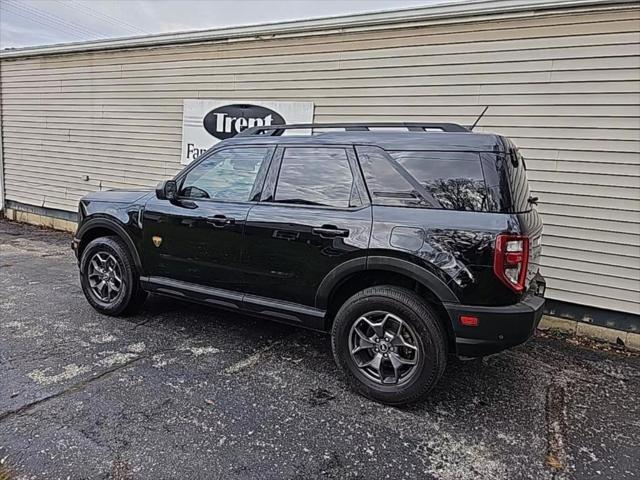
(156, 240)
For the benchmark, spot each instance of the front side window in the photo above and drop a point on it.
(315, 176)
(228, 175)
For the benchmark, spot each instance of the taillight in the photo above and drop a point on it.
(511, 260)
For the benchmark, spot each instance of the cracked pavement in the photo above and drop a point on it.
(182, 391)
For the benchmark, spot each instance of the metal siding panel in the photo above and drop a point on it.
(590, 213)
(611, 272)
(605, 294)
(613, 260)
(606, 225)
(565, 240)
(572, 295)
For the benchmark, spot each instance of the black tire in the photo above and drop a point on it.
(130, 296)
(431, 348)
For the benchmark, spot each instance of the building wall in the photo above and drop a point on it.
(564, 86)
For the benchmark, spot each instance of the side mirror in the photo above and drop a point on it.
(167, 190)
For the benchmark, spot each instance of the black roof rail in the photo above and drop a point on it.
(274, 130)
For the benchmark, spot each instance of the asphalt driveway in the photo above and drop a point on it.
(180, 391)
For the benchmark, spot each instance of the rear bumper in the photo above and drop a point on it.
(498, 327)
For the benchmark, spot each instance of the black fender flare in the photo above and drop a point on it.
(117, 229)
(384, 263)
(335, 277)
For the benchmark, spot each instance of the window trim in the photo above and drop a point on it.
(271, 182)
(259, 181)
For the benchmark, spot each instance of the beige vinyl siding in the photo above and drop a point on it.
(564, 86)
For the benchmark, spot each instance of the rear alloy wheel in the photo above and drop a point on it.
(384, 348)
(109, 278)
(389, 343)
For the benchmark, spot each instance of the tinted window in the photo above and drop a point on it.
(453, 178)
(495, 177)
(315, 176)
(518, 180)
(446, 180)
(386, 185)
(226, 175)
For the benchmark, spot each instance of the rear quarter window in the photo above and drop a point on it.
(449, 180)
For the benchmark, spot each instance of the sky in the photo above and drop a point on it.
(44, 22)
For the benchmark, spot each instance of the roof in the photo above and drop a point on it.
(434, 141)
(446, 12)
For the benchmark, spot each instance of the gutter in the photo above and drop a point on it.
(450, 12)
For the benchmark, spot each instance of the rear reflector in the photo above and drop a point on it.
(469, 321)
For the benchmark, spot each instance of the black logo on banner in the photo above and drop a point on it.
(229, 120)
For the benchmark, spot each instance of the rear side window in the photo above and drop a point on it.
(315, 176)
(443, 180)
(386, 185)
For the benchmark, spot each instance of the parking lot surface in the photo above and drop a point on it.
(181, 391)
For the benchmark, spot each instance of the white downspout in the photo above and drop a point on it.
(1, 156)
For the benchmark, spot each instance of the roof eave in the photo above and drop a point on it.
(443, 12)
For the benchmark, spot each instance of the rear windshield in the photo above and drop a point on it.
(442, 180)
(517, 171)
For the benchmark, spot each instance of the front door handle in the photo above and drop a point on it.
(219, 221)
(330, 231)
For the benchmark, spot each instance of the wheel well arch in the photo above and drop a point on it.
(358, 281)
(105, 228)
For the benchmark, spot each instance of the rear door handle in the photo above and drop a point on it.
(330, 231)
(286, 235)
(219, 221)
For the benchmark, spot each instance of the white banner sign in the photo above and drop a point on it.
(206, 122)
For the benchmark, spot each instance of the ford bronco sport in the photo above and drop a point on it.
(406, 244)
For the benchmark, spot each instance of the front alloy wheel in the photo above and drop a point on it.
(105, 276)
(109, 277)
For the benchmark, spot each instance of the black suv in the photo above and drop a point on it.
(406, 243)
